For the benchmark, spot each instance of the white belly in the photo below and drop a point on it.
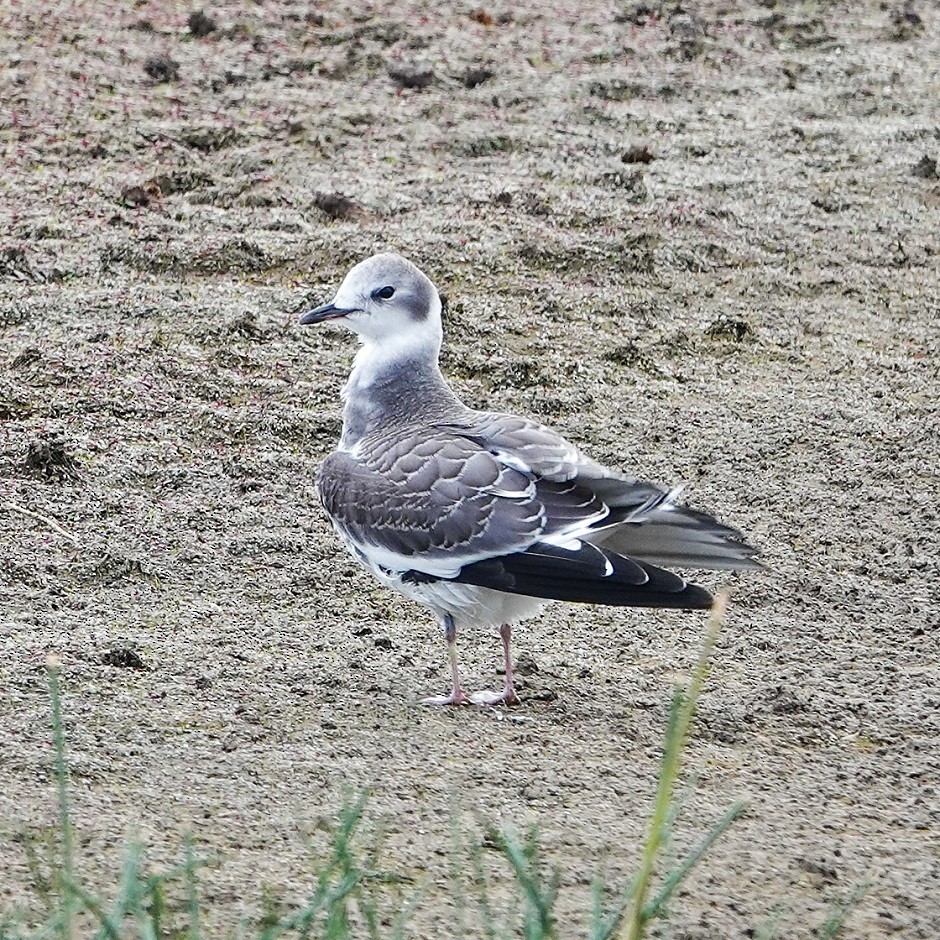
(473, 606)
(468, 604)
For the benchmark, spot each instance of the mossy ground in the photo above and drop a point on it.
(148, 341)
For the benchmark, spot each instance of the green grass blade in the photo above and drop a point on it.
(148, 927)
(9, 929)
(42, 883)
(190, 867)
(348, 892)
(67, 861)
(680, 719)
(150, 916)
(303, 919)
(679, 874)
(374, 878)
(91, 904)
(609, 924)
(401, 919)
(455, 873)
(487, 921)
(129, 891)
(522, 857)
(768, 930)
(345, 865)
(597, 909)
(333, 902)
(836, 920)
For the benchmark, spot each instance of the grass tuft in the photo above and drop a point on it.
(353, 896)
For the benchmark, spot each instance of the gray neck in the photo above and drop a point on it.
(386, 392)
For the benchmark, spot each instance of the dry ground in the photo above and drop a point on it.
(704, 244)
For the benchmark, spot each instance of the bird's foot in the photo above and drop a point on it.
(506, 697)
(456, 697)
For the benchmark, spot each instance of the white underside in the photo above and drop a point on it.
(470, 606)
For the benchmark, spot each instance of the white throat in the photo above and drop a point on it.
(379, 359)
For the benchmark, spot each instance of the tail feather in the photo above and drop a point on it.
(674, 536)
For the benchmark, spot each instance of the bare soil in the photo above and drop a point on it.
(703, 242)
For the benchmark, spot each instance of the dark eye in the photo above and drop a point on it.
(384, 293)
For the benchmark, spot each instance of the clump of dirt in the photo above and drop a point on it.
(926, 168)
(729, 328)
(632, 355)
(49, 459)
(139, 196)
(476, 76)
(409, 75)
(482, 16)
(26, 357)
(906, 22)
(180, 181)
(162, 68)
(123, 657)
(638, 13)
(338, 206)
(637, 153)
(209, 138)
(526, 665)
(15, 264)
(201, 24)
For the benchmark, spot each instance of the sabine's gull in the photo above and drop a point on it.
(486, 517)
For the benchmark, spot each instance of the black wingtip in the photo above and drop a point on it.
(586, 575)
(695, 597)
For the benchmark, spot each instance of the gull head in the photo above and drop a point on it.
(385, 298)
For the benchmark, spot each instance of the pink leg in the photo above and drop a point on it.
(508, 695)
(457, 695)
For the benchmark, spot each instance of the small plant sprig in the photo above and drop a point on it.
(642, 910)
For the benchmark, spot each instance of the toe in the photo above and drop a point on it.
(506, 697)
(455, 698)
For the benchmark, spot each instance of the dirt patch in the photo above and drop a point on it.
(50, 460)
(700, 240)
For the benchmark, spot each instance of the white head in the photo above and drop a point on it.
(388, 302)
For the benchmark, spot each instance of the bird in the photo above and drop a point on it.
(486, 517)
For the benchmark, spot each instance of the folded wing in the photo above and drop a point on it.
(501, 502)
(644, 522)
